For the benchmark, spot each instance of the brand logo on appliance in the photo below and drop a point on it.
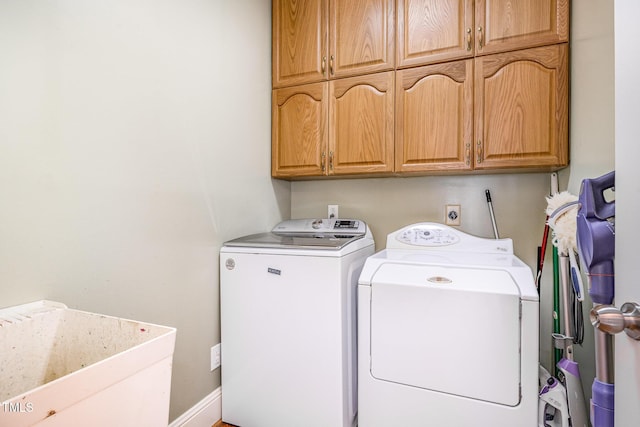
(230, 264)
(439, 279)
(273, 271)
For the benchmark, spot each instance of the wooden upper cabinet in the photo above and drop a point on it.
(376, 87)
(432, 31)
(434, 117)
(361, 124)
(315, 40)
(299, 131)
(521, 109)
(339, 127)
(361, 37)
(300, 41)
(502, 25)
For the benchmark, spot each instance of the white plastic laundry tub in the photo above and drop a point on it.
(64, 367)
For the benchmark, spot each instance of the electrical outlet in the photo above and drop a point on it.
(452, 214)
(215, 357)
(332, 211)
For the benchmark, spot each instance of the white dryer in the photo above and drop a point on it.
(288, 321)
(447, 332)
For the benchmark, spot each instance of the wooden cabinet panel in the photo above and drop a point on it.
(516, 24)
(299, 130)
(521, 108)
(434, 117)
(340, 127)
(362, 37)
(315, 40)
(434, 31)
(361, 124)
(490, 92)
(300, 41)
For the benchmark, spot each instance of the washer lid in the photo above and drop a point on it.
(322, 241)
(449, 330)
(332, 234)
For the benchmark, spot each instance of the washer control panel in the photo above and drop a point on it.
(326, 225)
(422, 235)
(431, 236)
(345, 224)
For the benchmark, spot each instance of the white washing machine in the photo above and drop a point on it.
(288, 321)
(447, 332)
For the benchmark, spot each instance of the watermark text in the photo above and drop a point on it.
(17, 407)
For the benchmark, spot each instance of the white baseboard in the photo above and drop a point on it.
(205, 413)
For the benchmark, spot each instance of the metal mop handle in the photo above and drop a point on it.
(493, 218)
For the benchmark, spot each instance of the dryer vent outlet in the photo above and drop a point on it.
(452, 214)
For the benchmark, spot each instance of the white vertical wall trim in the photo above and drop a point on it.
(627, 127)
(205, 413)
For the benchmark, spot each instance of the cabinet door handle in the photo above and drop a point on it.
(479, 152)
(331, 65)
(331, 161)
(469, 39)
(467, 154)
(323, 158)
(324, 64)
(480, 38)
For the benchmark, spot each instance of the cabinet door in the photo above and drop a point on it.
(300, 40)
(521, 111)
(516, 24)
(361, 37)
(434, 117)
(361, 124)
(434, 31)
(299, 131)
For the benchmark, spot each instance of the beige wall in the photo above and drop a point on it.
(592, 123)
(134, 140)
(518, 199)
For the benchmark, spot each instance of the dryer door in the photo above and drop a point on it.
(449, 330)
